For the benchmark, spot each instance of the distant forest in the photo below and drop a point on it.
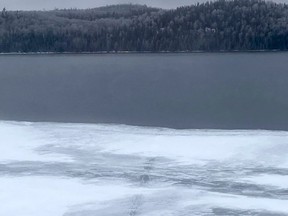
(212, 26)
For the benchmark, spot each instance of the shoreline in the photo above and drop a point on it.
(160, 127)
(141, 52)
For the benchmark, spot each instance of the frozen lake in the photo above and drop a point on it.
(111, 170)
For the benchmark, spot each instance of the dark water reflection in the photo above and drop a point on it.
(225, 91)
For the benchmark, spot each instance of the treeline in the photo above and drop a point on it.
(211, 26)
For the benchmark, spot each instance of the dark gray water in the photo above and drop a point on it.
(224, 91)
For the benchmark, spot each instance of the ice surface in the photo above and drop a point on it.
(108, 170)
(19, 141)
(28, 196)
(280, 181)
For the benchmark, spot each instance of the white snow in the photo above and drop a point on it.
(18, 142)
(280, 181)
(186, 146)
(200, 147)
(47, 196)
(190, 148)
(52, 195)
(237, 202)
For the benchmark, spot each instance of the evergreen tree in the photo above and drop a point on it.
(211, 26)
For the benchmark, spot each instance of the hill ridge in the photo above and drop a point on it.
(222, 25)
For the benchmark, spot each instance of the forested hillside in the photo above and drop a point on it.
(211, 26)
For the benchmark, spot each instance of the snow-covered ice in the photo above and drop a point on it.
(18, 142)
(55, 169)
